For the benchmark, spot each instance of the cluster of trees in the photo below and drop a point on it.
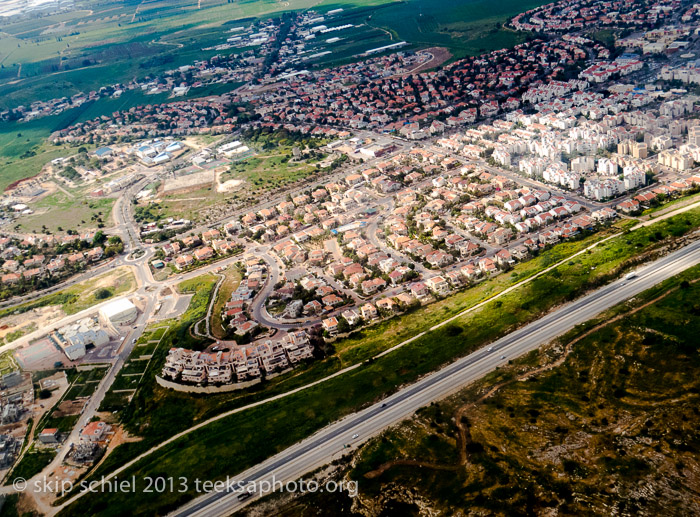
(268, 138)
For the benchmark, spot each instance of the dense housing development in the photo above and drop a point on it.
(283, 240)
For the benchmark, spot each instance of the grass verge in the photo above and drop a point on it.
(264, 430)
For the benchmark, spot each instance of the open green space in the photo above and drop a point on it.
(65, 210)
(115, 401)
(7, 363)
(146, 349)
(465, 27)
(232, 278)
(267, 429)
(125, 382)
(24, 149)
(157, 333)
(31, 464)
(85, 384)
(134, 366)
(82, 295)
(272, 169)
(9, 506)
(620, 410)
(187, 205)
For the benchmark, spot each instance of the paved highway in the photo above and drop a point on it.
(330, 442)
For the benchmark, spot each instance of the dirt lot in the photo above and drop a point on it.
(68, 408)
(30, 321)
(440, 55)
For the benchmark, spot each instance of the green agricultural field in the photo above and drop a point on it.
(466, 27)
(264, 430)
(353, 42)
(24, 150)
(110, 42)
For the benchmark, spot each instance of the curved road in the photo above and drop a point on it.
(330, 442)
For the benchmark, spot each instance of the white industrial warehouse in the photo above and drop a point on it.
(119, 312)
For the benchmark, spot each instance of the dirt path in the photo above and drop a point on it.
(350, 368)
(157, 42)
(120, 437)
(207, 317)
(464, 436)
(438, 56)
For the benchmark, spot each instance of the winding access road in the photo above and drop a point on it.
(332, 441)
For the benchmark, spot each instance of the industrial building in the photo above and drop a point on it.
(119, 312)
(74, 339)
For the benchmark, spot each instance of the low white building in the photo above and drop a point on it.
(74, 339)
(119, 312)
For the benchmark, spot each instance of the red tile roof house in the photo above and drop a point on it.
(332, 299)
(439, 285)
(77, 257)
(331, 325)
(204, 253)
(487, 265)
(10, 278)
(94, 431)
(371, 286)
(420, 290)
(211, 235)
(49, 435)
(369, 311)
(387, 304)
(31, 273)
(183, 261)
(95, 254)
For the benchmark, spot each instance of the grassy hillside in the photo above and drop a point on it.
(264, 430)
(610, 428)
